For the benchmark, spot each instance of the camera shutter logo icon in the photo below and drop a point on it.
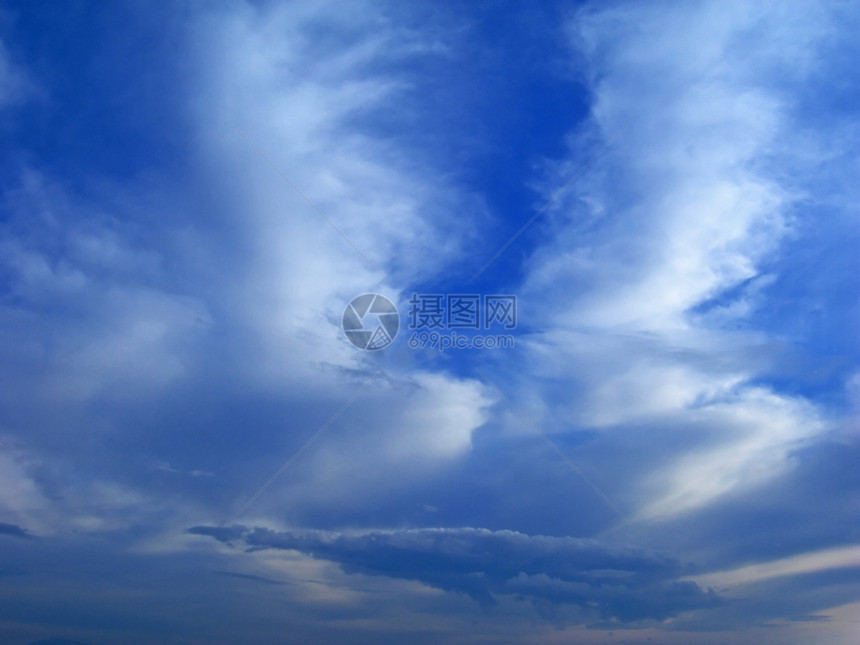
(370, 321)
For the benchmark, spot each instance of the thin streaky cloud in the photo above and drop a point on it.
(804, 563)
(545, 206)
(310, 203)
(300, 450)
(522, 415)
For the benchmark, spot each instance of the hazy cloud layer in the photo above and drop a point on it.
(170, 312)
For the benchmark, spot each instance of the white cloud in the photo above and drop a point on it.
(317, 112)
(438, 418)
(690, 202)
(816, 561)
(758, 430)
(21, 496)
(135, 295)
(16, 86)
(391, 439)
(40, 495)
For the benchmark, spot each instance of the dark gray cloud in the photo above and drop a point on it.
(220, 533)
(14, 530)
(622, 583)
(249, 576)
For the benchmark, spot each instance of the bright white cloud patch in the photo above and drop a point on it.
(438, 419)
(760, 431)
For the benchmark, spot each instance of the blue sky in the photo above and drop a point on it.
(667, 454)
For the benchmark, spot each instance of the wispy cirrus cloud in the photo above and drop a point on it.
(661, 256)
